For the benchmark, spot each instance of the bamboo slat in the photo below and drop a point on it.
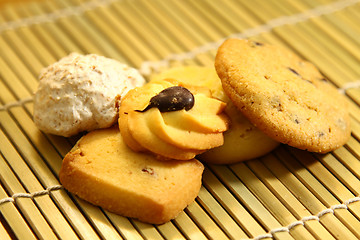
(53, 225)
(3, 232)
(320, 196)
(13, 217)
(232, 206)
(219, 215)
(287, 194)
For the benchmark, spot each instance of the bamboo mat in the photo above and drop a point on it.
(287, 194)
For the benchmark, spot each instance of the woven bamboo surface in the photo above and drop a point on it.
(287, 194)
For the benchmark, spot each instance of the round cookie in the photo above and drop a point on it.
(283, 95)
(243, 141)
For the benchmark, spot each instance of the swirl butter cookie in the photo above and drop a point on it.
(172, 121)
(282, 95)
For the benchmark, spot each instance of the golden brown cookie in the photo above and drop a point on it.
(283, 95)
(101, 169)
(150, 120)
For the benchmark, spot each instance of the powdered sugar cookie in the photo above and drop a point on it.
(81, 93)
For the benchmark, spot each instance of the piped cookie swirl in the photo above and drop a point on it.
(172, 121)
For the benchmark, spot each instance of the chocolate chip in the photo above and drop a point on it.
(172, 99)
(323, 80)
(294, 71)
(258, 43)
(295, 118)
(255, 44)
(298, 74)
(321, 134)
(246, 132)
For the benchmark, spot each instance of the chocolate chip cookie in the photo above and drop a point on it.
(283, 95)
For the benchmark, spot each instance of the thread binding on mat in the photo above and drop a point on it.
(316, 217)
(30, 195)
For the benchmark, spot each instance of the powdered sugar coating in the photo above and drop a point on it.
(81, 93)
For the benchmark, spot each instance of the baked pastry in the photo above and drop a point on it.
(102, 170)
(153, 118)
(81, 93)
(283, 95)
(242, 141)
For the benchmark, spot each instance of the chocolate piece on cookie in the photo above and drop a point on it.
(283, 95)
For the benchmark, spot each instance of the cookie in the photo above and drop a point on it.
(157, 118)
(282, 95)
(102, 170)
(81, 93)
(243, 141)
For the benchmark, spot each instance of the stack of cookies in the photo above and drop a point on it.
(256, 97)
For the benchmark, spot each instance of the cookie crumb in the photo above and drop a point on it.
(255, 43)
(267, 77)
(276, 103)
